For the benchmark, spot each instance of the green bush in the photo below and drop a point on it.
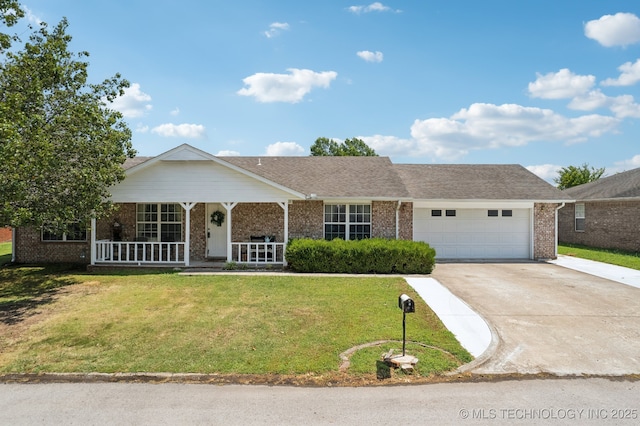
(368, 256)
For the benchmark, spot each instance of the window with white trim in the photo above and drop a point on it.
(159, 222)
(354, 225)
(74, 232)
(580, 217)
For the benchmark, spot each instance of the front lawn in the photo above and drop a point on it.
(226, 324)
(611, 256)
(5, 253)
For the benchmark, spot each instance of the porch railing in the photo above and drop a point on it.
(137, 252)
(246, 252)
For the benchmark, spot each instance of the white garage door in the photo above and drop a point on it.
(474, 233)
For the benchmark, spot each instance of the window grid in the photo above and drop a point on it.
(159, 222)
(337, 222)
(75, 232)
(580, 217)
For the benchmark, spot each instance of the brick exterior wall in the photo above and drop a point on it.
(406, 221)
(544, 235)
(198, 236)
(257, 219)
(5, 235)
(306, 219)
(31, 249)
(383, 220)
(608, 224)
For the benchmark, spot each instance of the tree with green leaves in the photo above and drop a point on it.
(573, 176)
(349, 148)
(61, 146)
(10, 14)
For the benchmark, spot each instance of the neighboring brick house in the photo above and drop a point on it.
(186, 206)
(5, 235)
(605, 214)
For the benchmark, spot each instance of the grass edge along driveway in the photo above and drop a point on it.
(59, 321)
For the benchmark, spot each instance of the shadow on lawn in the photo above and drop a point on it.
(24, 288)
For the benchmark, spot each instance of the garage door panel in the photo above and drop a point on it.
(472, 234)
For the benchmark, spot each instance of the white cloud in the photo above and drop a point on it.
(280, 149)
(621, 166)
(389, 145)
(625, 106)
(134, 102)
(227, 153)
(621, 29)
(593, 100)
(31, 17)
(370, 56)
(188, 131)
(545, 171)
(141, 128)
(561, 85)
(175, 111)
(275, 29)
(629, 75)
(373, 7)
(269, 87)
(486, 126)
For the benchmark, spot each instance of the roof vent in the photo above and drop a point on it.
(259, 163)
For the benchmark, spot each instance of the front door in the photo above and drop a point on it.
(216, 235)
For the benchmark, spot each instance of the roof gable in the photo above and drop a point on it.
(620, 185)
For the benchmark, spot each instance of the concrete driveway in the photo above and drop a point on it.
(549, 319)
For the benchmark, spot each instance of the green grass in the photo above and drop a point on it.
(5, 253)
(165, 322)
(611, 256)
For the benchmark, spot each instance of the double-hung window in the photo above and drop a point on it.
(347, 221)
(159, 222)
(580, 216)
(75, 232)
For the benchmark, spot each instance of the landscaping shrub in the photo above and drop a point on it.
(368, 256)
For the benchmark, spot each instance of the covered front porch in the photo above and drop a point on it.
(192, 234)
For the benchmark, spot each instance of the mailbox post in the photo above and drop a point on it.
(406, 304)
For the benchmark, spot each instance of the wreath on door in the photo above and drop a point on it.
(217, 217)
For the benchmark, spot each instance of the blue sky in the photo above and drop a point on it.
(543, 83)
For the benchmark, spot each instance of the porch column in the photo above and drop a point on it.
(285, 207)
(187, 232)
(228, 207)
(92, 246)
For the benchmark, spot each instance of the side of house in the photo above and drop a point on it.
(605, 215)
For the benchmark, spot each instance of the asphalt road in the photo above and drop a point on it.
(540, 402)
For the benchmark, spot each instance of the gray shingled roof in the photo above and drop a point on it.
(372, 177)
(475, 182)
(132, 162)
(378, 177)
(621, 185)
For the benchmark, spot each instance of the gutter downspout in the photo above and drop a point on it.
(398, 220)
(556, 227)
